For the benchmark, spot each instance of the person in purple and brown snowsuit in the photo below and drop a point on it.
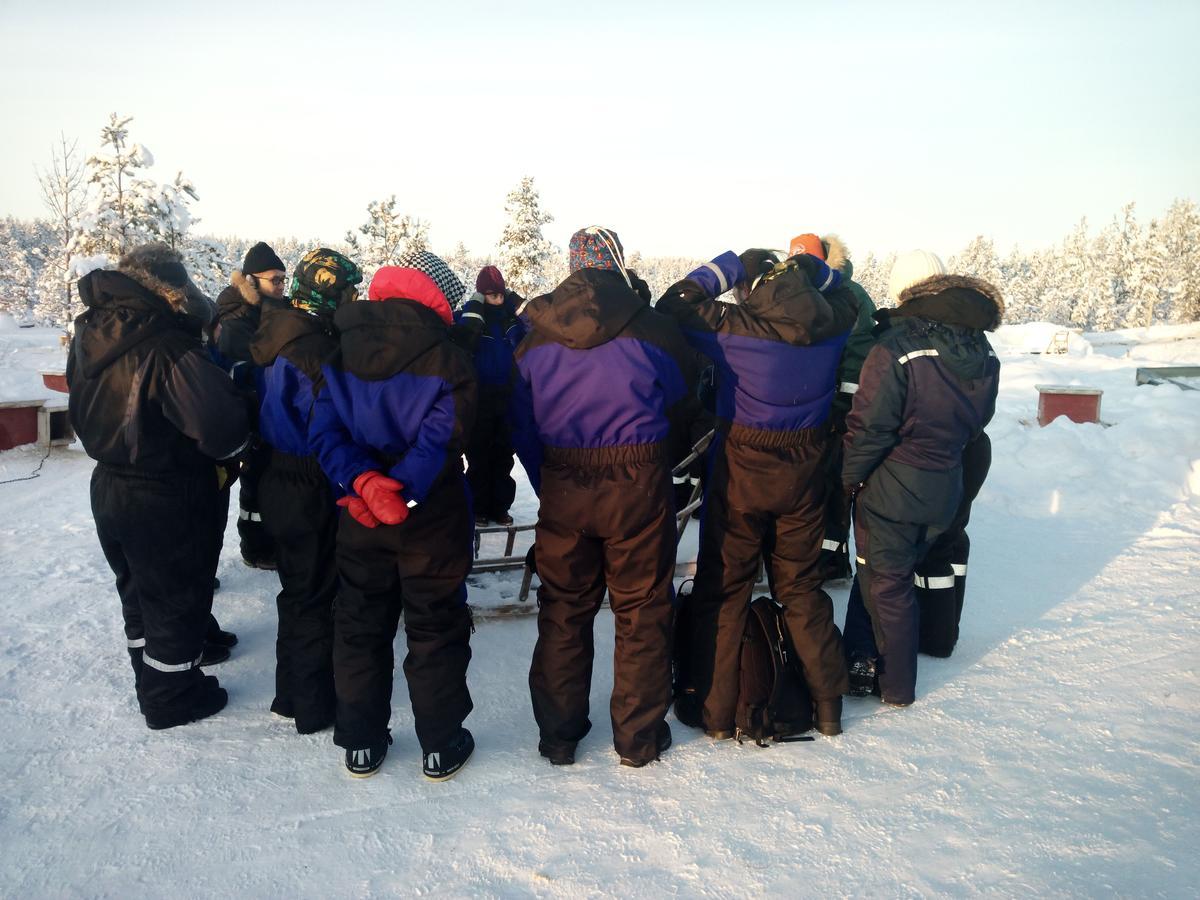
(600, 395)
(926, 392)
(775, 353)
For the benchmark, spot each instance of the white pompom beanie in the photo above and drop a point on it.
(912, 267)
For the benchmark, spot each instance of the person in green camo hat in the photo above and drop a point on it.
(297, 503)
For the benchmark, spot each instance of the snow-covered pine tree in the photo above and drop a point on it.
(123, 211)
(64, 194)
(17, 293)
(385, 238)
(1179, 234)
(979, 260)
(525, 255)
(873, 274)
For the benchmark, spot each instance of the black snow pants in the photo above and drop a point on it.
(490, 457)
(835, 547)
(256, 544)
(301, 518)
(418, 567)
(607, 520)
(156, 533)
(941, 577)
(898, 515)
(765, 498)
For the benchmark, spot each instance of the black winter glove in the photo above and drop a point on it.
(639, 286)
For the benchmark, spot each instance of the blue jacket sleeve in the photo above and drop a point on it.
(442, 434)
(341, 458)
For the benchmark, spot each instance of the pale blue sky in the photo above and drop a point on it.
(689, 128)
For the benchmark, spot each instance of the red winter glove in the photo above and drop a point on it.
(382, 496)
(358, 511)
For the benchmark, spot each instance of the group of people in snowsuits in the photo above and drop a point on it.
(347, 420)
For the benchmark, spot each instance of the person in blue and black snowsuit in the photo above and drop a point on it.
(775, 353)
(390, 423)
(488, 327)
(926, 392)
(600, 403)
(297, 505)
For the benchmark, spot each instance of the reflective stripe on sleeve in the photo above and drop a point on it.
(134, 643)
(829, 544)
(246, 516)
(916, 353)
(960, 569)
(721, 279)
(847, 387)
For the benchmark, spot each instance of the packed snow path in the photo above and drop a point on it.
(1055, 754)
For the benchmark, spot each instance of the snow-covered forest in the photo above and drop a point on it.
(1124, 273)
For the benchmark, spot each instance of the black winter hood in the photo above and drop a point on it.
(121, 313)
(282, 326)
(953, 300)
(797, 311)
(382, 337)
(590, 308)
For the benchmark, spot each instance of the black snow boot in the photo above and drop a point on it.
(207, 699)
(563, 755)
(366, 762)
(442, 765)
(214, 654)
(863, 679)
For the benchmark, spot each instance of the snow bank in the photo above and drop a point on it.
(1036, 337)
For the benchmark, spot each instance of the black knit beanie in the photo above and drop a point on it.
(261, 258)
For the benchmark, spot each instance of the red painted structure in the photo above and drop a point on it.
(18, 423)
(56, 381)
(1079, 404)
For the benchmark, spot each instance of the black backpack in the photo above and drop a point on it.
(774, 702)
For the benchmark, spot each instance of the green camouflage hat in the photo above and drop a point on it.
(323, 281)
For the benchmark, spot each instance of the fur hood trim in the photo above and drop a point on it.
(935, 284)
(836, 252)
(246, 288)
(137, 263)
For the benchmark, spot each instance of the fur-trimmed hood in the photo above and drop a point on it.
(837, 254)
(955, 300)
(140, 264)
(245, 288)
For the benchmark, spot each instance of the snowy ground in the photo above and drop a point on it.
(1056, 754)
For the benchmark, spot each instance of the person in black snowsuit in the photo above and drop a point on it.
(599, 407)
(926, 392)
(257, 285)
(164, 425)
(487, 326)
(297, 504)
(775, 353)
(389, 426)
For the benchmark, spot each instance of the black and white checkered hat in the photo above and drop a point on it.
(441, 275)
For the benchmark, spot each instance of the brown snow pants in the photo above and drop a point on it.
(606, 521)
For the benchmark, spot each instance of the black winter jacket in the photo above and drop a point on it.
(929, 386)
(143, 392)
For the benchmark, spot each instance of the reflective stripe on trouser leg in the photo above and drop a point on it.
(934, 582)
(169, 667)
(134, 643)
(832, 545)
(246, 516)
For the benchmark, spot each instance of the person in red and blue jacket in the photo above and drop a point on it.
(601, 382)
(297, 506)
(487, 326)
(775, 353)
(389, 426)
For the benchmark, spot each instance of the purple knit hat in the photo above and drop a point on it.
(596, 248)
